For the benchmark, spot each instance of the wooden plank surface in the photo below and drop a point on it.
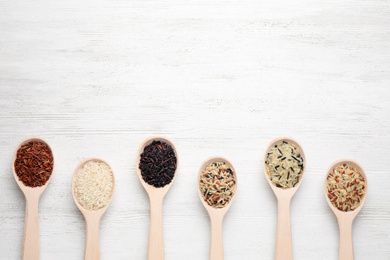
(95, 78)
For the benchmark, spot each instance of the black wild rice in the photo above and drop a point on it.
(158, 164)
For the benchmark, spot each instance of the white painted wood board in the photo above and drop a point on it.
(95, 78)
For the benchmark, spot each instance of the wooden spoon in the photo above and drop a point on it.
(345, 219)
(216, 214)
(156, 197)
(92, 217)
(283, 250)
(32, 195)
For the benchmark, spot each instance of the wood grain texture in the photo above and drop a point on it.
(95, 78)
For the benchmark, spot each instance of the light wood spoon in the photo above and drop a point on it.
(32, 195)
(345, 219)
(216, 214)
(156, 197)
(92, 217)
(283, 250)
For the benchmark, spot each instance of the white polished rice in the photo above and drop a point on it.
(94, 185)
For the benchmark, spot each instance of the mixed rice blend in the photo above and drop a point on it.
(217, 184)
(346, 187)
(284, 165)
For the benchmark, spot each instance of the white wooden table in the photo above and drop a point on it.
(97, 77)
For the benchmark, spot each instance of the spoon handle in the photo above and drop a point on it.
(92, 251)
(216, 244)
(346, 246)
(156, 236)
(283, 236)
(31, 231)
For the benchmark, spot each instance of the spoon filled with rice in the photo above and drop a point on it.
(284, 166)
(92, 188)
(217, 185)
(157, 162)
(345, 192)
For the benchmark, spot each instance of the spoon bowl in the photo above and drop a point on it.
(150, 189)
(283, 250)
(32, 195)
(210, 209)
(216, 214)
(156, 197)
(345, 219)
(283, 191)
(83, 210)
(30, 191)
(92, 217)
